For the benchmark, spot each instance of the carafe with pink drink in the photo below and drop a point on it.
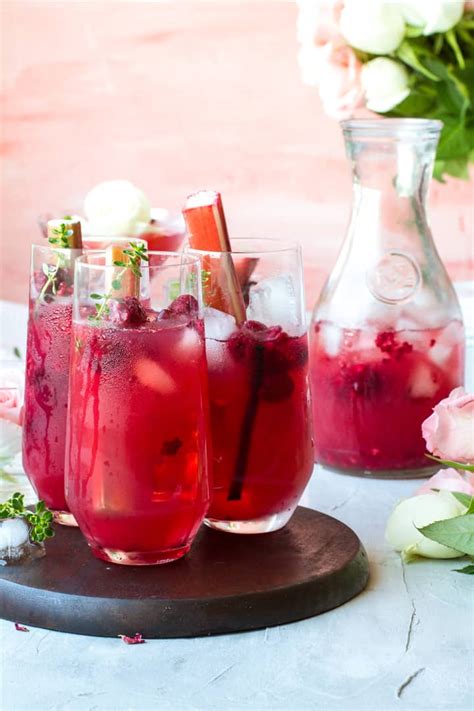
(386, 338)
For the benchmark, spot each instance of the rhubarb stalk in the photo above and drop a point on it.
(121, 281)
(207, 231)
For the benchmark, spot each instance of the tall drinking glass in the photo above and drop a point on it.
(47, 374)
(258, 388)
(136, 460)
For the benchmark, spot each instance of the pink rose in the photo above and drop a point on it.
(325, 59)
(318, 22)
(340, 86)
(11, 397)
(449, 431)
(10, 405)
(451, 480)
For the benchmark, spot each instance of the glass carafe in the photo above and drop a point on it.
(386, 338)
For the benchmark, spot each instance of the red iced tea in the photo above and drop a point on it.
(372, 389)
(46, 387)
(47, 364)
(261, 426)
(136, 462)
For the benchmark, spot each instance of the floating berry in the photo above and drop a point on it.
(185, 305)
(127, 312)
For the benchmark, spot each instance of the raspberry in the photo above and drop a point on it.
(127, 312)
(185, 305)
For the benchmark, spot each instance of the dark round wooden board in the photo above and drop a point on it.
(227, 583)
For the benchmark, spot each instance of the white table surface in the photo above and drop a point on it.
(404, 643)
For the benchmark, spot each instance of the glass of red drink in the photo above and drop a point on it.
(386, 340)
(47, 374)
(136, 460)
(262, 450)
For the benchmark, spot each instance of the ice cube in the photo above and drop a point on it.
(445, 342)
(217, 324)
(275, 302)
(150, 374)
(15, 545)
(331, 337)
(189, 345)
(422, 383)
(216, 354)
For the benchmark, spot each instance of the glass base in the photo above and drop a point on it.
(266, 524)
(111, 555)
(422, 473)
(65, 518)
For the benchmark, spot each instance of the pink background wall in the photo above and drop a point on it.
(178, 96)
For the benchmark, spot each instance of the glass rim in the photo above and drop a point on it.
(111, 238)
(390, 127)
(181, 259)
(53, 248)
(278, 247)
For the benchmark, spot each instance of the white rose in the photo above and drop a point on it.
(385, 83)
(373, 26)
(114, 207)
(419, 511)
(433, 15)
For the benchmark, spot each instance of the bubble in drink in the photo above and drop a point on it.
(274, 302)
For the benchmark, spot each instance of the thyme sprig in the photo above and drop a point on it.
(61, 241)
(135, 253)
(61, 236)
(40, 520)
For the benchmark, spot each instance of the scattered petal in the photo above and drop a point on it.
(21, 628)
(136, 639)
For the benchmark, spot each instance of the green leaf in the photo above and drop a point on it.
(456, 533)
(453, 43)
(17, 352)
(412, 31)
(453, 142)
(457, 167)
(452, 463)
(96, 297)
(468, 570)
(116, 284)
(416, 104)
(463, 499)
(409, 54)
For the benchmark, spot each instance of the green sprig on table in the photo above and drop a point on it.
(40, 520)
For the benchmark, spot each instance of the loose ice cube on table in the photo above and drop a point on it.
(217, 324)
(15, 542)
(275, 302)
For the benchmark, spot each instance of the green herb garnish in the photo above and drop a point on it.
(62, 235)
(135, 252)
(40, 519)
